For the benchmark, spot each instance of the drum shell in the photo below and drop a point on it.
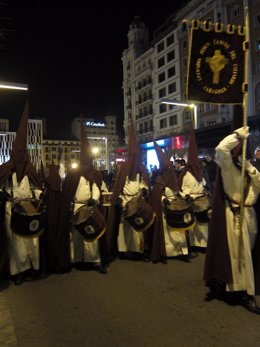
(94, 226)
(178, 214)
(139, 214)
(28, 224)
(202, 209)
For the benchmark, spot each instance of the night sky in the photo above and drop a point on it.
(70, 55)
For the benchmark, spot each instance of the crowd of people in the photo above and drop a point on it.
(85, 221)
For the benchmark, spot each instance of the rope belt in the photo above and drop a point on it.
(229, 200)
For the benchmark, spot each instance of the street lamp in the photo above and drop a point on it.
(95, 151)
(11, 85)
(184, 104)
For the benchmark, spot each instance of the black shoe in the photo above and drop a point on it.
(102, 270)
(31, 275)
(249, 303)
(19, 279)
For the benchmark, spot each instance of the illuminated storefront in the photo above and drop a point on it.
(174, 146)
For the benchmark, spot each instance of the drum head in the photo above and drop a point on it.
(143, 216)
(27, 225)
(94, 227)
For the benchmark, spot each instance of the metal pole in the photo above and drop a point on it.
(245, 94)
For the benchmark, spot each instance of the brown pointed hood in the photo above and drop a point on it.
(86, 159)
(193, 157)
(19, 159)
(19, 153)
(133, 153)
(167, 176)
(53, 179)
(41, 173)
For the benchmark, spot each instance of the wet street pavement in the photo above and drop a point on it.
(136, 304)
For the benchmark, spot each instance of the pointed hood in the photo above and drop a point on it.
(193, 157)
(167, 177)
(86, 160)
(133, 157)
(19, 159)
(19, 152)
(53, 179)
(162, 157)
(41, 173)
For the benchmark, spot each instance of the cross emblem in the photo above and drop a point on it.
(216, 64)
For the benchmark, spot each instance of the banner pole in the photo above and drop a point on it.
(245, 94)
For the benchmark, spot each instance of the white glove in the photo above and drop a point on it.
(242, 132)
(249, 167)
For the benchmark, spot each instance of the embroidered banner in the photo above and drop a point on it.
(216, 66)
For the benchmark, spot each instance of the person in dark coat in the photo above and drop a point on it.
(211, 169)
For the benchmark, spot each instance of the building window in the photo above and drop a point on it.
(173, 120)
(235, 11)
(162, 108)
(171, 71)
(172, 88)
(163, 123)
(160, 62)
(161, 77)
(257, 19)
(162, 92)
(160, 47)
(184, 44)
(170, 56)
(170, 40)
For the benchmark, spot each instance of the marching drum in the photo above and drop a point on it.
(27, 218)
(202, 208)
(139, 214)
(90, 222)
(179, 214)
(106, 198)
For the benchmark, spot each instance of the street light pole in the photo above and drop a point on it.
(184, 104)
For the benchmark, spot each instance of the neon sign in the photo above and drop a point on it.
(93, 124)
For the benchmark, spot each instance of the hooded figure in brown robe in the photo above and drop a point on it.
(70, 188)
(19, 180)
(231, 275)
(131, 181)
(166, 179)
